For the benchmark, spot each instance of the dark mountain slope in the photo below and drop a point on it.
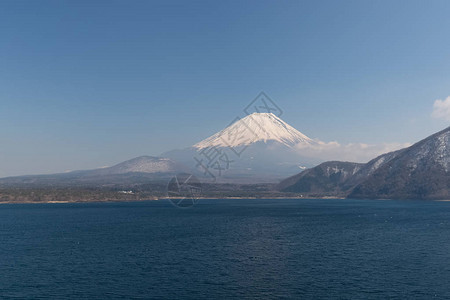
(421, 171)
(327, 179)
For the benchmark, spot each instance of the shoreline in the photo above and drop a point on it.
(163, 199)
(208, 198)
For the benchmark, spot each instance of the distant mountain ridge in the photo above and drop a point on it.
(141, 164)
(143, 169)
(421, 171)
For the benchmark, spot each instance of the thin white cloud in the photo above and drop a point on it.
(441, 109)
(354, 152)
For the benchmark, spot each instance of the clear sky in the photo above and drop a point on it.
(85, 84)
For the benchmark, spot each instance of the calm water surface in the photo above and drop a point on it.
(250, 249)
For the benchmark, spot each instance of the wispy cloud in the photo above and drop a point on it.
(354, 152)
(441, 109)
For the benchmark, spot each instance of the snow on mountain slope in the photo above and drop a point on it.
(421, 171)
(434, 150)
(142, 164)
(257, 127)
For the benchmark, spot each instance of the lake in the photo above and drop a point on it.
(251, 249)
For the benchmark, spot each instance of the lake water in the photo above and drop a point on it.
(251, 249)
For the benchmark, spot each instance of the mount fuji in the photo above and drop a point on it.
(257, 148)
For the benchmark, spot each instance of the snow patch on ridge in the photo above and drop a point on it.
(438, 150)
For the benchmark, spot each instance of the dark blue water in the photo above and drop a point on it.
(253, 249)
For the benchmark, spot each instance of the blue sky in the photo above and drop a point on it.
(85, 84)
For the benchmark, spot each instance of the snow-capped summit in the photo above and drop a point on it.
(257, 148)
(257, 127)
